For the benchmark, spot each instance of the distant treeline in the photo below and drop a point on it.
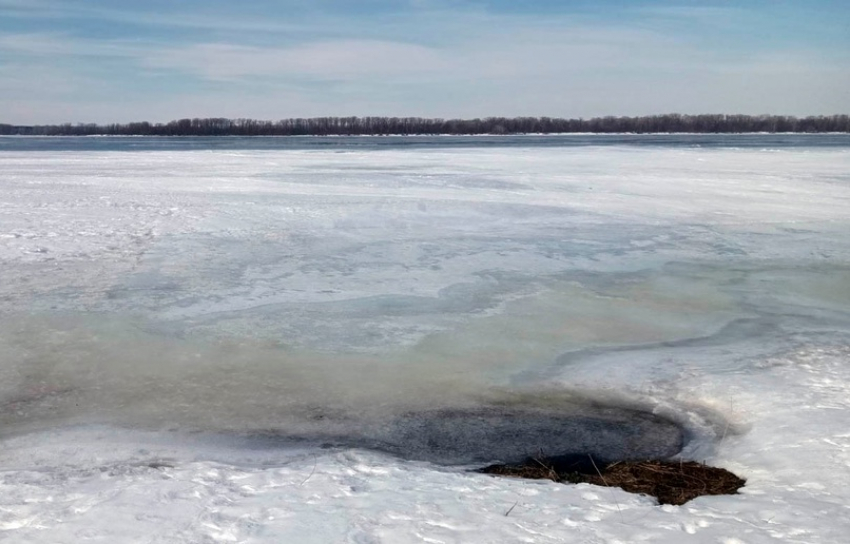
(376, 126)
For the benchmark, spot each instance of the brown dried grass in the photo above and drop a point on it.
(670, 482)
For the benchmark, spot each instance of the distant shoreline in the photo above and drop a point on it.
(519, 134)
(418, 126)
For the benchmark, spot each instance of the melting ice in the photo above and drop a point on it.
(313, 342)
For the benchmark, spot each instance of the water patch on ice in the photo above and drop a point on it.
(88, 371)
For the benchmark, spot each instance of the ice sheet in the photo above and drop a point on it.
(160, 308)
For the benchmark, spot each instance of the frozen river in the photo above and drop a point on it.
(270, 339)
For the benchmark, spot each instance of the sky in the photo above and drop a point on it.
(124, 60)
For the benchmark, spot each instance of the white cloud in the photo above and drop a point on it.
(55, 46)
(27, 6)
(345, 59)
(448, 64)
(178, 16)
(527, 52)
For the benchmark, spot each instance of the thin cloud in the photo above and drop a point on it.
(531, 52)
(437, 58)
(233, 23)
(700, 14)
(29, 7)
(55, 47)
(346, 59)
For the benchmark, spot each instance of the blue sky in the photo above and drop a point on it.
(122, 60)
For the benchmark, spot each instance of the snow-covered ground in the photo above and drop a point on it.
(172, 320)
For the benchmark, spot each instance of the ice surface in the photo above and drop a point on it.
(174, 322)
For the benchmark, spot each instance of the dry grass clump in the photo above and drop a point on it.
(668, 481)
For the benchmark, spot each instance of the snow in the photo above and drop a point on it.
(172, 320)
